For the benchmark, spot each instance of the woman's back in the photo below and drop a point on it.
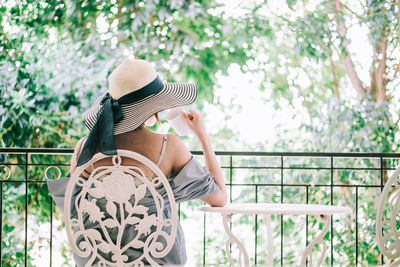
(150, 145)
(167, 151)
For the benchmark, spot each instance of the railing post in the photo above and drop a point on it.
(332, 215)
(281, 215)
(26, 208)
(51, 232)
(1, 223)
(356, 225)
(256, 228)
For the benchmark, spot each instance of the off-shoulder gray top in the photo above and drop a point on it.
(192, 182)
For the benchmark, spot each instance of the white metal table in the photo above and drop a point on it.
(323, 211)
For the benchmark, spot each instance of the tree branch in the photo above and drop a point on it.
(363, 5)
(396, 71)
(334, 75)
(398, 23)
(351, 11)
(371, 90)
(346, 58)
(381, 72)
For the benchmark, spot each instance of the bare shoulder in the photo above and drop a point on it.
(173, 139)
(176, 143)
(178, 151)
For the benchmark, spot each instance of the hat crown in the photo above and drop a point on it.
(131, 75)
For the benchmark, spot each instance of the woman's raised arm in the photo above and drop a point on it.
(195, 122)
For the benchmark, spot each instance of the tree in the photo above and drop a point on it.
(324, 35)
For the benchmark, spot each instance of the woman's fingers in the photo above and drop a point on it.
(190, 116)
(186, 116)
(194, 113)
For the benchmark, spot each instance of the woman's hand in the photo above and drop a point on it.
(195, 122)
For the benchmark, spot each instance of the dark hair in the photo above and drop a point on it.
(158, 120)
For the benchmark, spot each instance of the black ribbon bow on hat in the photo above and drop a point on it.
(102, 133)
(116, 108)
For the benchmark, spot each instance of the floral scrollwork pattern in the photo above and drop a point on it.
(108, 216)
(243, 256)
(387, 219)
(5, 172)
(318, 240)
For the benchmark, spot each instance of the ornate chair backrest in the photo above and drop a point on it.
(387, 218)
(105, 216)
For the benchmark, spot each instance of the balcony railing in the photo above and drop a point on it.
(32, 230)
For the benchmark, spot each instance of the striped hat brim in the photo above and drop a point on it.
(135, 114)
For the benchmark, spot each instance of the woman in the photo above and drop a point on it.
(116, 121)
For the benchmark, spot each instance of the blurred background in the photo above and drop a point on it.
(273, 75)
(294, 75)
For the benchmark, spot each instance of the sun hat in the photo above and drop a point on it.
(135, 94)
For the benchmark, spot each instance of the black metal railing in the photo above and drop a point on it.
(351, 179)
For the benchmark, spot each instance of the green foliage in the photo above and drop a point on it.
(315, 33)
(343, 126)
(55, 57)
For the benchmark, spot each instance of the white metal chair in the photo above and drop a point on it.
(105, 219)
(387, 219)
